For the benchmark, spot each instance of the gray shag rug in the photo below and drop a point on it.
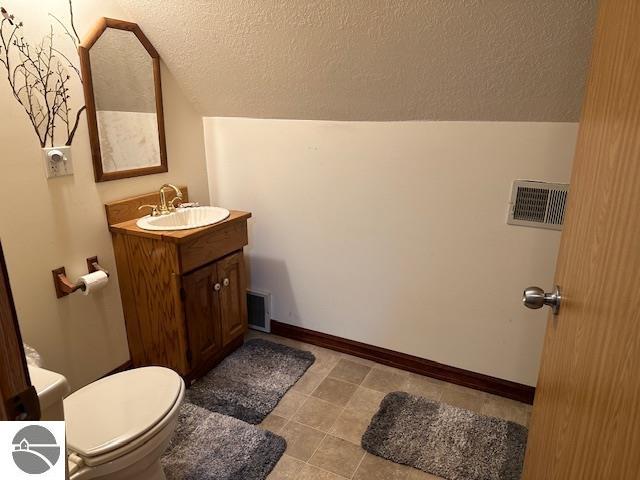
(445, 441)
(211, 446)
(250, 382)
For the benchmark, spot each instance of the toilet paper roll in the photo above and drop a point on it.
(93, 281)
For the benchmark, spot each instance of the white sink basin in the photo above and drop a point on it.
(184, 218)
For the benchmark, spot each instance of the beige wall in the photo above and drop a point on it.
(394, 234)
(45, 224)
(516, 60)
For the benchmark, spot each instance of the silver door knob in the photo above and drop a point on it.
(535, 297)
(226, 282)
(217, 287)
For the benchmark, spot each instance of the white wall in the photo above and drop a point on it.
(394, 234)
(46, 224)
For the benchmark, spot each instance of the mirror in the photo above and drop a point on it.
(123, 94)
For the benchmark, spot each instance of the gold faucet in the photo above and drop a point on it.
(164, 208)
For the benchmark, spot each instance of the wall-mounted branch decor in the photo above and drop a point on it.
(38, 74)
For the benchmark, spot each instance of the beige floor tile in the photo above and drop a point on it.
(529, 411)
(415, 474)
(323, 364)
(387, 368)
(362, 361)
(308, 382)
(506, 409)
(385, 380)
(365, 400)
(289, 404)
(351, 425)
(324, 354)
(335, 391)
(257, 334)
(466, 390)
(309, 472)
(287, 468)
(376, 468)
(273, 423)
(349, 371)
(424, 387)
(318, 414)
(463, 398)
(337, 456)
(302, 441)
(285, 341)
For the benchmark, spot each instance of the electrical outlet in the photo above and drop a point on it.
(57, 161)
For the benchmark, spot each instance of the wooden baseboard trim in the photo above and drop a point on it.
(128, 365)
(410, 363)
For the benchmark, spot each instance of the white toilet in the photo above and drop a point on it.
(117, 427)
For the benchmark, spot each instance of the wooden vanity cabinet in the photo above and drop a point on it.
(183, 293)
(215, 307)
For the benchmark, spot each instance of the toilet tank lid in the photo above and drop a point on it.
(51, 387)
(114, 411)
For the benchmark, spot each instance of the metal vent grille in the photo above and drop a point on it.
(259, 310)
(538, 204)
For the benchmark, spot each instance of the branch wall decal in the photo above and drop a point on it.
(38, 74)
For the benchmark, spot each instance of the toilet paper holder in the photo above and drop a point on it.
(64, 286)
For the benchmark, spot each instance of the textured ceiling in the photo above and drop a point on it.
(375, 59)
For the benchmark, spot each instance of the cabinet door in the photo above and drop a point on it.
(202, 312)
(233, 296)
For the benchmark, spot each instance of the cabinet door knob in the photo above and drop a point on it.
(226, 282)
(217, 287)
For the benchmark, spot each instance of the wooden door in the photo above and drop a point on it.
(233, 296)
(19, 398)
(202, 313)
(586, 415)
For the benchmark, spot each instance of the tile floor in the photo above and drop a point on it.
(326, 412)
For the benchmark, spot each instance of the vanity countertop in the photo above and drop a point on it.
(178, 236)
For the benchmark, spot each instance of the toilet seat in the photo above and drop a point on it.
(113, 417)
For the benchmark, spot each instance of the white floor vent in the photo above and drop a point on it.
(538, 204)
(259, 310)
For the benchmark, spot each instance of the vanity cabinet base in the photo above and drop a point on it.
(183, 296)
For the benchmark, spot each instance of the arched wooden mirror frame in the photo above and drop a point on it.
(92, 120)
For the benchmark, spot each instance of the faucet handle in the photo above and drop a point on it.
(172, 204)
(154, 209)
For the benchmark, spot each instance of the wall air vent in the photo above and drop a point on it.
(259, 310)
(538, 204)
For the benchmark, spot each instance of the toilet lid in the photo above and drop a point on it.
(112, 412)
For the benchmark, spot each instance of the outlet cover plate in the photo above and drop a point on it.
(57, 161)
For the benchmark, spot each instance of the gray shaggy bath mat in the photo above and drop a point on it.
(446, 441)
(211, 446)
(249, 383)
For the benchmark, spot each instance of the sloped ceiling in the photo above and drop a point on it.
(516, 60)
